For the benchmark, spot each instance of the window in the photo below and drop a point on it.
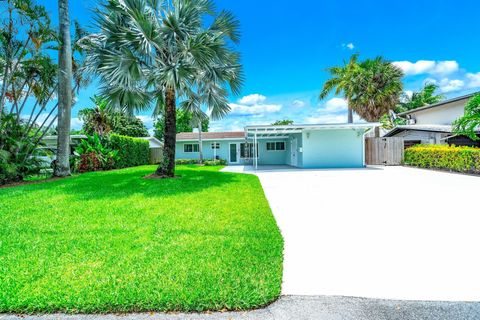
(216, 145)
(189, 148)
(246, 150)
(275, 146)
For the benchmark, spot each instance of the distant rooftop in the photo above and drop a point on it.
(191, 136)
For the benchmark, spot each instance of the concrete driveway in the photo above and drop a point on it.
(392, 233)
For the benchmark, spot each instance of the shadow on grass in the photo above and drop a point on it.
(127, 182)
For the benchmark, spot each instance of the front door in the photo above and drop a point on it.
(293, 154)
(233, 152)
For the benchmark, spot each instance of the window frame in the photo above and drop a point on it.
(275, 143)
(193, 147)
(215, 145)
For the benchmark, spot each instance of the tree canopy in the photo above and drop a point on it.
(469, 124)
(185, 123)
(285, 122)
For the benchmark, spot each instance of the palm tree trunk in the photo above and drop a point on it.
(167, 166)
(200, 143)
(350, 112)
(62, 169)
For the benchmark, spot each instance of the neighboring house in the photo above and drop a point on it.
(155, 149)
(432, 124)
(303, 146)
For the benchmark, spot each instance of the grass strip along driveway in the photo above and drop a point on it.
(115, 242)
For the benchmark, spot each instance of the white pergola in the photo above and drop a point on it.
(282, 132)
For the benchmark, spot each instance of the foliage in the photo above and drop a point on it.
(180, 50)
(28, 72)
(116, 242)
(184, 124)
(132, 152)
(16, 160)
(342, 81)
(103, 120)
(421, 98)
(217, 162)
(285, 122)
(460, 159)
(377, 86)
(94, 154)
(469, 124)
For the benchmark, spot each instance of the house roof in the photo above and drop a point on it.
(435, 105)
(153, 142)
(193, 136)
(272, 131)
(419, 127)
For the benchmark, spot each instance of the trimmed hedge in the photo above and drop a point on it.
(132, 152)
(459, 159)
(208, 163)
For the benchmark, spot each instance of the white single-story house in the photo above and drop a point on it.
(432, 124)
(302, 146)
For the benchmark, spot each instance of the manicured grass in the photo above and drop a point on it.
(115, 242)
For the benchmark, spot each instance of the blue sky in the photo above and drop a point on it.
(287, 45)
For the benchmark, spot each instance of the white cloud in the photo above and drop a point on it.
(427, 67)
(147, 121)
(252, 99)
(256, 109)
(334, 105)
(473, 80)
(447, 85)
(298, 103)
(349, 46)
(76, 123)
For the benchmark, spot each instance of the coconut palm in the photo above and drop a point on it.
(65, 77)
(341, 82)
(151, 52)
(377, 87)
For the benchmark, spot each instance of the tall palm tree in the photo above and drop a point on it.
(377, 88)
(65, 76)
(341, 82)
(158, 52)
(424, 97)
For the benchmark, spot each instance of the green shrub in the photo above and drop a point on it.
(132, 152)
(460, 159)
(94, 154)
(219, 162)
(180, 162)
(208, 163)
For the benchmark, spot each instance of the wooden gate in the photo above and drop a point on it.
(155, 155)
(384, 151)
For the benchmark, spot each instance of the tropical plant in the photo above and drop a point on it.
(376, 88)
(157, 52)
(426, 96)
(15, 161)
(342, 82)
(103, 120)
(94, 154)
(469, 124)
(184, 124)
(28, 73)
(285, 122)
(65, 78)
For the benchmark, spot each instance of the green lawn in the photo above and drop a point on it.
(115, 242)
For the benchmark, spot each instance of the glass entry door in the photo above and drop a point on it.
(233, 153)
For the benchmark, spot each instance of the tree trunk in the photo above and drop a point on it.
(350, 114)
(62, 168)
(200, 143)
(167, 166)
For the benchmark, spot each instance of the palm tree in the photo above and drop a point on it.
(424, 97)
(157, 52)
(62, 168)
(377, 88)
(341, 82)
(96, 118)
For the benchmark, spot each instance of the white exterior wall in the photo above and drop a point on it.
(426, 137)
(443, 115)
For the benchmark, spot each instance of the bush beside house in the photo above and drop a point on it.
(459, 159)
(132, 152)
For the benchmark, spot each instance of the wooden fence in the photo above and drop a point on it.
(384, 151)
(155, 155)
